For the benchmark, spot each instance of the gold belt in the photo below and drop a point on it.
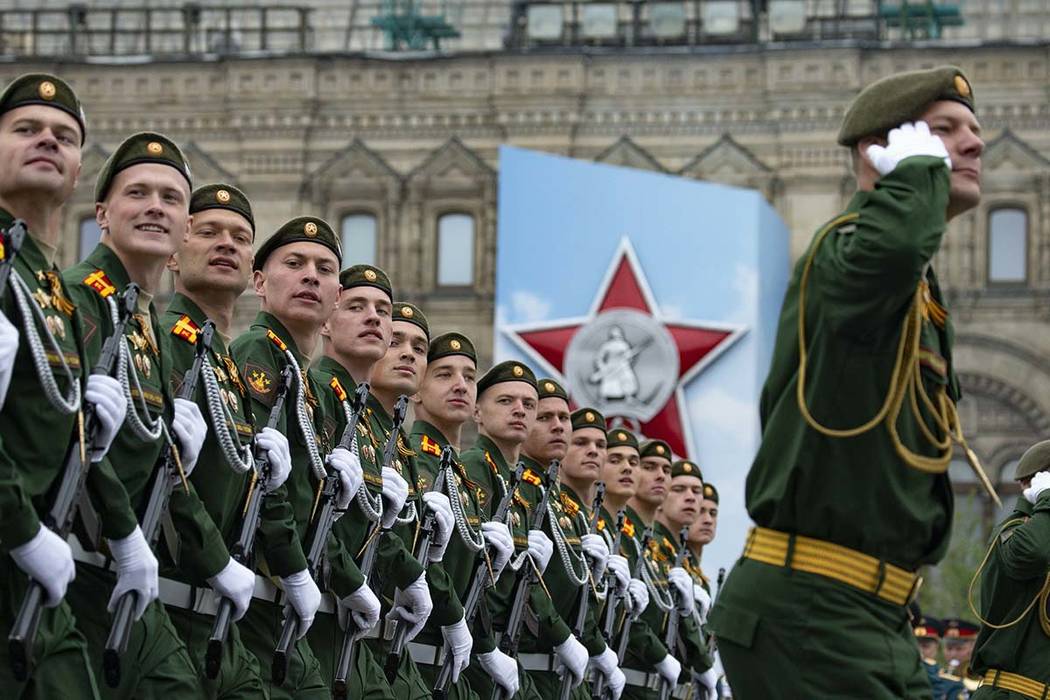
(800, 553)
(1016, 683)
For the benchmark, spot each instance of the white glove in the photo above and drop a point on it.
(639, 594)
(275, 445)
(190, 429)
(136, 571)
(608, 665)
(683, 583)
(540, 549)
(439, 504)
(8, 351)
(48, 560)
(395, 493)
(413, 605)
(669, 669)
(302, 595)
(1040, 483)
(594, 546)
(907, 140)
(620, 570)
(573, 657)
(363, 606)
(703, 601)
(237, 583)
(709, 679)
(348, 466)
(497, 535)
(502, 669)
(106, 395)
(459, 642)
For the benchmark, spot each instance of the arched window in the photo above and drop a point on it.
(359, 239)
(89, 236)
(455, 250)
(1008, 245)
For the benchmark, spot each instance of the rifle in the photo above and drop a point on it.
(625, 628)
(63, 510)
(585, 590)
(671, 634)
(426, 533)
(323, 517)
(168, 469)
(9, 247)
(477, 586)
(348, 651)
(528, 575)
(241, 552)
(609, 617)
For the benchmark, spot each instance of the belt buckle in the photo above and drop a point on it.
(915, 587)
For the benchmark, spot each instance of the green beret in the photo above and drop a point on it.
(220, 196)
(656, 448)
(588, 418)
(684, 467)
(509, 371)
(366, 276)
(137, 149)
(409, 313)
(1035, 459)
(47, 90)
(451, 344)
(710, 493)
(302, 228)
(619, 437)
(550, 389)
(895, 99)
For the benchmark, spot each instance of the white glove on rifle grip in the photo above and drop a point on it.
(607, 665)
(395, 493)
(413, 605)
(459, 642)
(595, 547)
(348, 468)
(639, 594)
(438, 503)
(190, 429)
(48, 560)
(573, 657)
(363, 606)
(136, 571)
(302, 595)
(540, 549)
(497, 536)
(279, 454)
(669, 669)
(105, 394)
(237, 583)
(683, 583)
(502, 669)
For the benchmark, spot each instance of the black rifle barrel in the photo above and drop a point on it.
(10, 245)
(671, 636)
(63, 509)
(625, 628)
(611, 601)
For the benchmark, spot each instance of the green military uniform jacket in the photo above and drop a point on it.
(691, 651)
(646, 647)
(1013, 577)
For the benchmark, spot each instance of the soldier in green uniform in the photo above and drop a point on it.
(848, 468)
(946, 686)
(142, 206)
(702, 531)
(212, 269)
(41, 133)
(446, 398)
(1012, 647)
(959, 638)
(296, 277)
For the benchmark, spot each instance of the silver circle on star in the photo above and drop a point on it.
(623, 363)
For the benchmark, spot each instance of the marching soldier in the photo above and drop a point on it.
(142, 205)
(928, 634)
(848, 468)
(959, 638)
(702, 532)
(296, 277)
(41, 133)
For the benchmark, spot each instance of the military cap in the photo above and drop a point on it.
(302, 228)
(710, 493)
(684, 467)
(550, 389)
(927, 628)
(43, 89)
(409, 313)
(620, 437)
(509, 371)
(448, 344)
(961, 630)
(143, 147)
(900, 98)
(221, 196)
(366, 276)
(588, 418)
(656, 448)
(1035, 459)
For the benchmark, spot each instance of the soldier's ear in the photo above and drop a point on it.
(102, 217)
(173, 263)
(259, 282)
(416, 399)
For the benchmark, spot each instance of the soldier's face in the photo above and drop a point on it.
(449, 390)
(704, 527)
(147, 211)
(586, 454)
(961, 133)
(959, 651)
(549, 437)
(39, 153)
(506, 412)
(216, 255)
(682, 504)
(360, 326)
(299, 283)
(618, 471)
(654, 474)
(401, 369)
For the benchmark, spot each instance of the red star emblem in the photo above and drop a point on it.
(697, 343)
